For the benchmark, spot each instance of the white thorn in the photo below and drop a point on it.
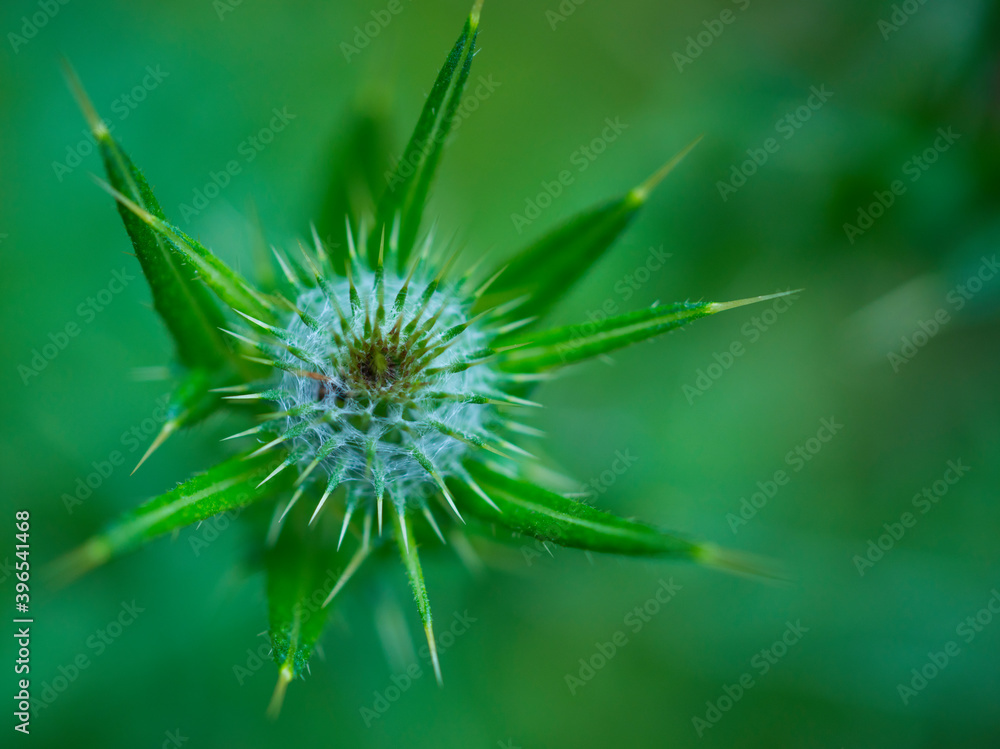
(429, 631)
(169, 428)
(451, 501)
(275, 472)
(305, 474)
(433, 523)
(521, 401)
(721, 306)
(479, 490)
(322, 501)
(402, 527)
(347, 521)
(247, 397)
(291, 503)
(254, 320)
(265, 448)
(251, 430)
(349, 570)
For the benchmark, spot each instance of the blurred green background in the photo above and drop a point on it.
(223, 68)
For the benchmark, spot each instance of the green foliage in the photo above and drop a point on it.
(232, 484)
(406, 193)
(546, 269)
(536, 352)
(368, 381)
(234, 291)
(534, 511)
(300, 574)
(186, 306)
(415, 573)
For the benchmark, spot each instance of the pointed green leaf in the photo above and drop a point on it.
(408, 551)
(233, 290)
(547, 516)
(229, 485)
(574, 343)
(300, 574)
(410, 181)
(186, 307)
(534, 511)
(548, 268)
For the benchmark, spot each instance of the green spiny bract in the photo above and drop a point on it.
(379, 380)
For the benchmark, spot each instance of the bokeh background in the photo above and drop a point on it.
(561, 71)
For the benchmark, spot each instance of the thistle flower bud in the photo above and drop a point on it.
(384, 379)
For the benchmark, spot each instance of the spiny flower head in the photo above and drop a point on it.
(379, 386)
(378, 380)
